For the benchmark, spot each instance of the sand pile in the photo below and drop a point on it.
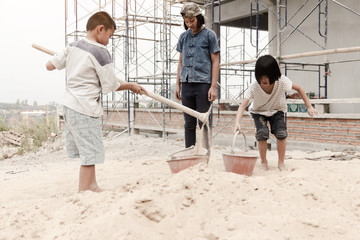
(318, 198)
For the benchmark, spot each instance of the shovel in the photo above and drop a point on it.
(181, 162)
(203, 117)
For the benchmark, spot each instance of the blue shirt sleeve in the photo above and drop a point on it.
(179, 45)
(214, 46)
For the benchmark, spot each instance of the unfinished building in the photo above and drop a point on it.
(315, 42)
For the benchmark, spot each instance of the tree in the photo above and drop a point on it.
(52, 104)
(35, 104)
(24, 102)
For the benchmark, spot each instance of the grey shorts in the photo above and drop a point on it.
(83, 137)
(277, 124)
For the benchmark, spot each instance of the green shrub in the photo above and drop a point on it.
(36, 133)
(3, 125)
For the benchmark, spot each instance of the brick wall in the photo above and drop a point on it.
(325, 130)
(319, 130)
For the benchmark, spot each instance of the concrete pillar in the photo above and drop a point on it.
(208, 17)
(272, 26)
(209, 24)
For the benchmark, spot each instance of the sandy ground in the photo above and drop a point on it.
(317, 198)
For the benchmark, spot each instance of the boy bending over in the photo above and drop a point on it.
(269, 105)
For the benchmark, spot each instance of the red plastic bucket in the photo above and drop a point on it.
(177, 165)
(240, 162)
(190, 158)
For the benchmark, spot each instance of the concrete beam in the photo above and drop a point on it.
(237, 14)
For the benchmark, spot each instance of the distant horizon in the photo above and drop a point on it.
(32, 103)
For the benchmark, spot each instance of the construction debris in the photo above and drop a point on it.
(10, 137)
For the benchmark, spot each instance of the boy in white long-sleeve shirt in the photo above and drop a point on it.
(89, 71)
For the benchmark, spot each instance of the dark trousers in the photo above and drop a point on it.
(194, 96)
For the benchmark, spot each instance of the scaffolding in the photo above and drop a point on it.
(143, 46)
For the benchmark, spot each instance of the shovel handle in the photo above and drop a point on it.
(204, 117)
(42, 49)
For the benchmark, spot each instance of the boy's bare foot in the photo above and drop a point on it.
(264, 166)
(91, 188)
(282, 167)
(97, 189)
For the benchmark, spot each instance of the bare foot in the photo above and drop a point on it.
(93, 188)
(282, 167)
(264, 166)
(97, 189)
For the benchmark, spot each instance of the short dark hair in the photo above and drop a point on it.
(200, 21)
(267, 66)
(100, 18)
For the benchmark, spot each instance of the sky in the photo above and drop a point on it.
(23, 74)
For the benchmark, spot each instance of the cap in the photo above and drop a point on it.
(190, 9)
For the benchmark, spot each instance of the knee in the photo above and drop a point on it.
(262, 134)
(281, 134)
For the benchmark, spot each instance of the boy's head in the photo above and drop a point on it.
(100, 18)
(267, 66)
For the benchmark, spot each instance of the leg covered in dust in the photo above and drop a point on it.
(87, 179)
(278, 128)
(262, 135)
(262, 151)
(281, 148)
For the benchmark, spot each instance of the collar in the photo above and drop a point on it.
(194, 34)
(94, 43)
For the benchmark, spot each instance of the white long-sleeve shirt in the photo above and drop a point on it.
(89, 71)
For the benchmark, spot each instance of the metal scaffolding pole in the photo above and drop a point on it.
(143, 46)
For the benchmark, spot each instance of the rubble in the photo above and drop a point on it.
(10, 137)
(9, 143)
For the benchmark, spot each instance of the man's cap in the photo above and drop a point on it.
(190, 9)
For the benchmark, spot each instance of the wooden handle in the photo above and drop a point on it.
(42, 49)
(201, 116)
(204, 117)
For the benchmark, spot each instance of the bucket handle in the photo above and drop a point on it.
(171, 156)
(233, 142)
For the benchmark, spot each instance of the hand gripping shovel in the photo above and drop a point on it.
(179, 163)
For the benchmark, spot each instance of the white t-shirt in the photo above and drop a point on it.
(89, 71)
(268, 104)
